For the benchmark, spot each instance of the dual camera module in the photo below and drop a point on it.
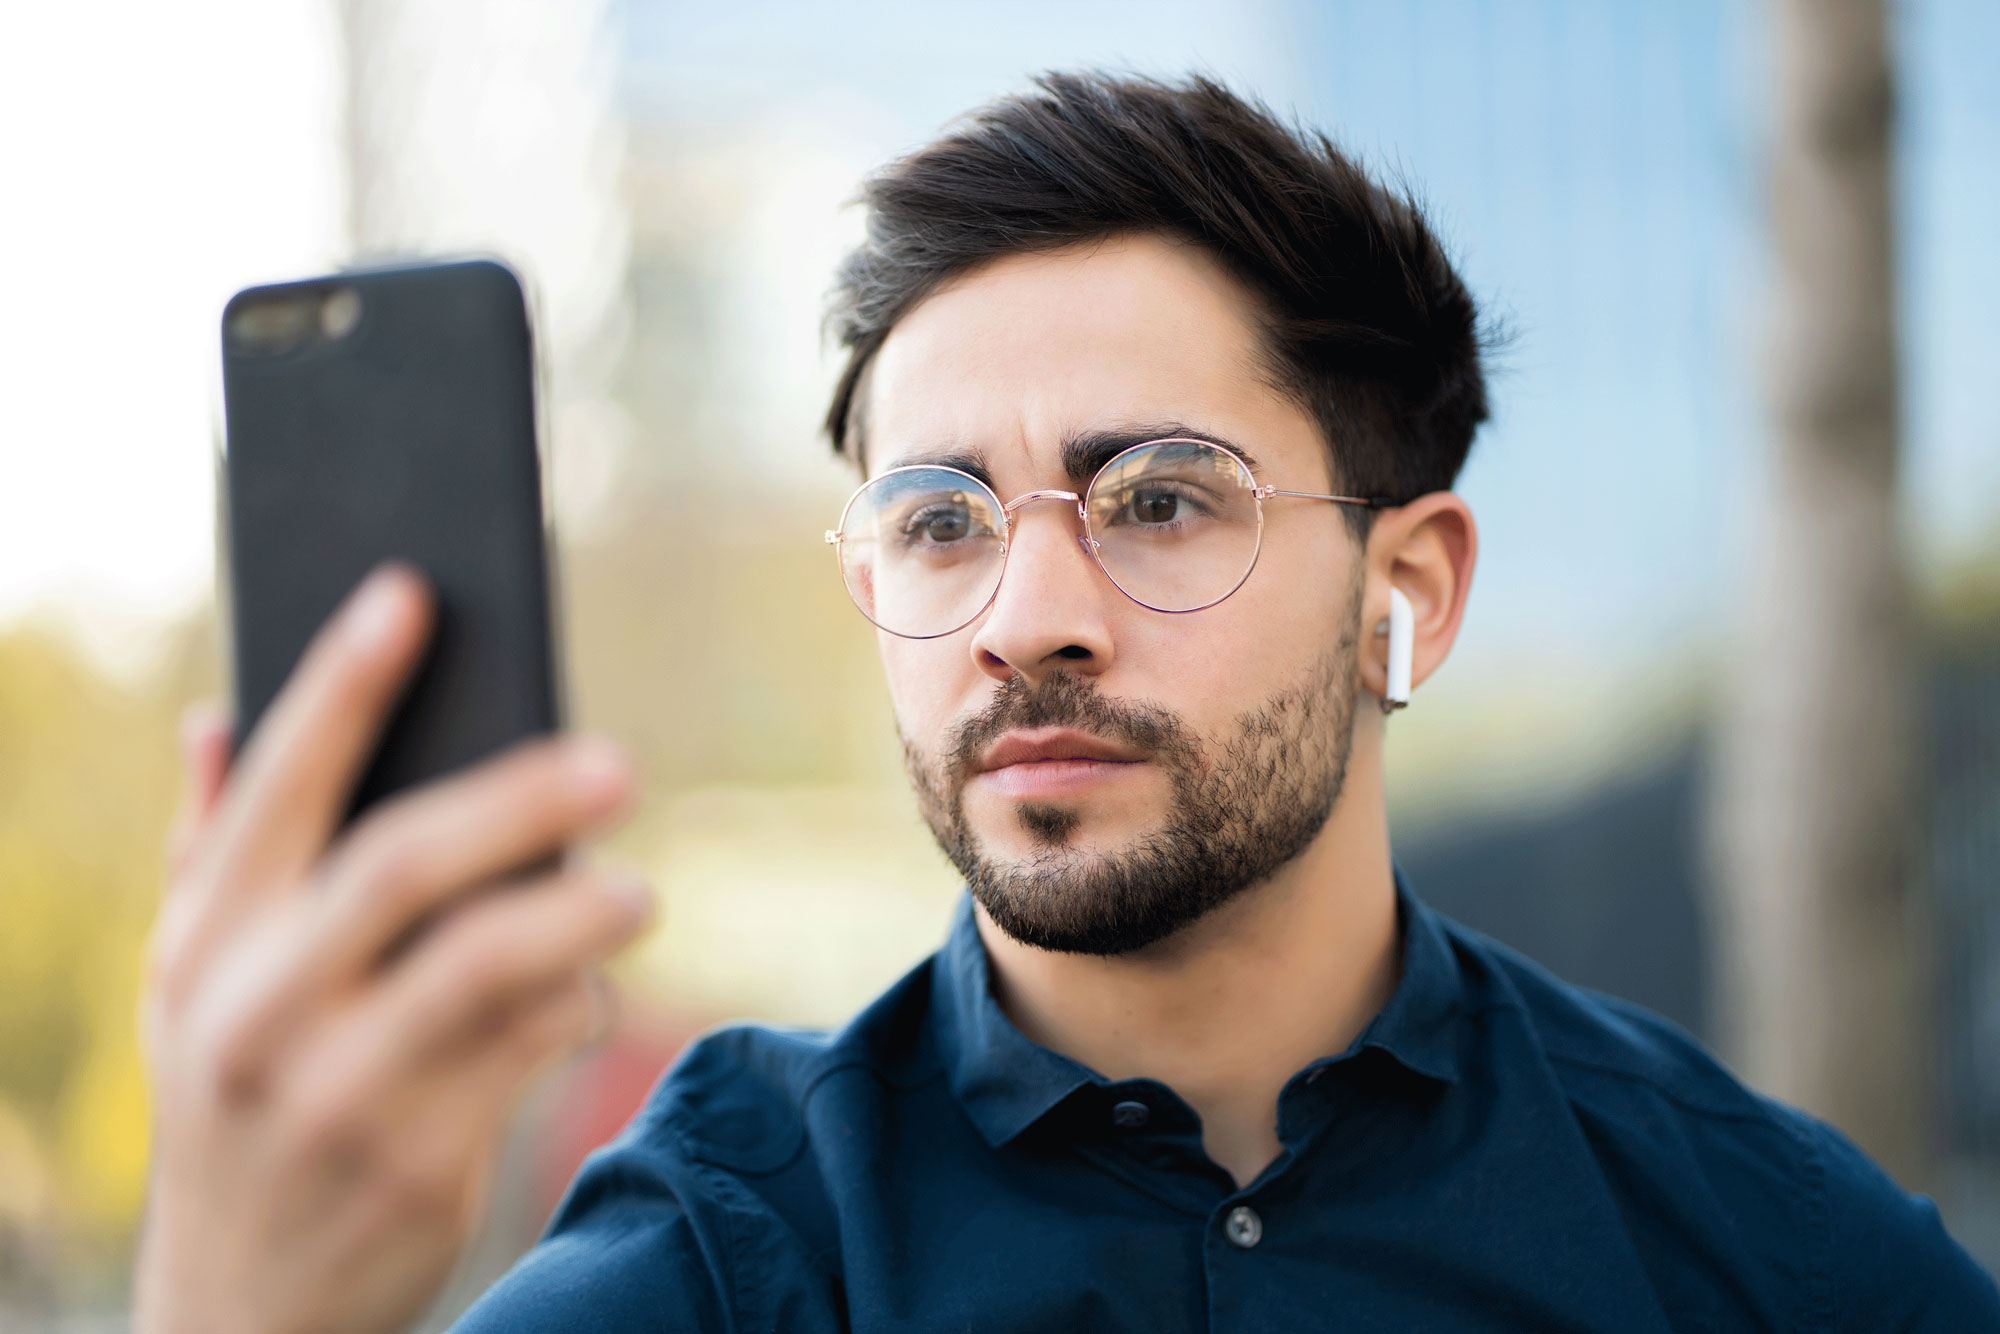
(277, 322)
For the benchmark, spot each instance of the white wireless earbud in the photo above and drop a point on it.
(1402, 636)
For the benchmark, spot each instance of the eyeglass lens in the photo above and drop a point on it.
(1174, 523)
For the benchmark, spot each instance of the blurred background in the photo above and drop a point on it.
(1721, 732)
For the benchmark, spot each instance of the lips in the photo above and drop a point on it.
(1045, 745)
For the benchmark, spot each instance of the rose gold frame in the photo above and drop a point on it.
(1258, 494)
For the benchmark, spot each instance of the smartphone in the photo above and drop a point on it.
(390, 413)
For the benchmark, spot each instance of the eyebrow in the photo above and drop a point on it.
(1083, 452)
(969, 461)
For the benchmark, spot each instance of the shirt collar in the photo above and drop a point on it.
(1006, 1082)
(1420, 1025)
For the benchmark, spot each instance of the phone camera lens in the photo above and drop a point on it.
(340, 312)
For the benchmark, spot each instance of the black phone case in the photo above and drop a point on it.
(413, 437)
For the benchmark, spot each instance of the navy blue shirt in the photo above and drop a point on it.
(1496, 1150)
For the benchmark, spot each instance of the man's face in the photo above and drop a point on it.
(1160, 763)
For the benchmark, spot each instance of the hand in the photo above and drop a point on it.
(338, 1027)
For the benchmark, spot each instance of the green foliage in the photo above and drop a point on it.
(86, 784)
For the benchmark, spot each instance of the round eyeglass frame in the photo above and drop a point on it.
(1258, 494)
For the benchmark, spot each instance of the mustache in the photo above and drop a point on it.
(1064, 700)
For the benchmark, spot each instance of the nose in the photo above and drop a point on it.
(1050, 613)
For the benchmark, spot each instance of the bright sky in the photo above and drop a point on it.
(158, 157)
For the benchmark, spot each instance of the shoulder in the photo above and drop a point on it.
(1742, 1175)
(629, 1247)
(1599, 1045)
(742, 1096)
(700, 1212)
(1894, 1265)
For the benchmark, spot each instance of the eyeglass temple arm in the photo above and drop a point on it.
(1372, 502)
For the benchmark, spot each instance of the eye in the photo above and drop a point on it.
(946, 525)
(941, 522)
(1156, 505)
(1164, 506)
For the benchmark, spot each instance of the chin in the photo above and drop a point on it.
(1029, 831)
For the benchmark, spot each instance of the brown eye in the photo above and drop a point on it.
(946, 521)
(1155, 506)
(946, 525)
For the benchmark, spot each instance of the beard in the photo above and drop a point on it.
(1237, 812)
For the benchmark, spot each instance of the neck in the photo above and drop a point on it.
(1228, 1010)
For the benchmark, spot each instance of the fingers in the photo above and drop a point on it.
(413, 855)
(292, 782)
(463, 983)
(205, 742)
(205, 746)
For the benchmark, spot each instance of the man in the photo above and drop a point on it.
(1157, 407)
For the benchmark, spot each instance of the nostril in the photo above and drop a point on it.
(1072, 651)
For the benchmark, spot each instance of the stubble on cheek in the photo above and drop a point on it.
(939, 780)
(1240, 807)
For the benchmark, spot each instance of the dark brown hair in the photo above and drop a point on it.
(1367, 326)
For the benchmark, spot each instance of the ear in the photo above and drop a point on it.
(1426, 550)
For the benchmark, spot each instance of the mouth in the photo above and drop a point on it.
(1044, 763)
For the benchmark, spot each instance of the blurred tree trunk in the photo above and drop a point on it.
(1820, 944)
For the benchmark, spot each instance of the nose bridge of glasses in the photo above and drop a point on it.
(1031, 497)
(1012, 508)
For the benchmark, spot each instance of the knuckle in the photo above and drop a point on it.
(519, 939)
(235, 1067)
(385, 864)
(463, 961)
(327, 1129)
(485, 959)
(216, 1052)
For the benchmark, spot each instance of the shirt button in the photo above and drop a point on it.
(1130, 1115)
(1243, 1228)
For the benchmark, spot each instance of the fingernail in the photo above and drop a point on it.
(372, 618)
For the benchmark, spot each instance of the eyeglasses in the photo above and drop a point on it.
(1175, 524)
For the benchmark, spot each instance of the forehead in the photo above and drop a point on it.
(1012, 358)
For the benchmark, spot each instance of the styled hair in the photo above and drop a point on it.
(1366, 325)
